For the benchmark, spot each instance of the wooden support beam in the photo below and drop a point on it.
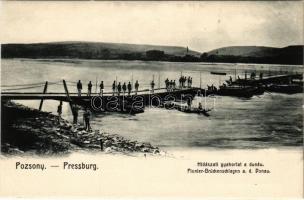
(66, 90)
(68, 95)
(44, 91)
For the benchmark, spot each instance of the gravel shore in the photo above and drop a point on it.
(29, 130)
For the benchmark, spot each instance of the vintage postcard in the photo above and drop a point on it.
(152, 99)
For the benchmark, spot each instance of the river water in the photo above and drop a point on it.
(265, 121)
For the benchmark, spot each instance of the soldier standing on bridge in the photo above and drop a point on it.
(101, 86)
(180, 81)
(114, 87)
(119, 88)
(124, 88)
(261, 75)
(59, 111)
(184, 81)
(129, 88)
(152, 86)
(79, 87)
(252, 76)
(136, 86)
(89, 88)
(167, 84)
(230, 80)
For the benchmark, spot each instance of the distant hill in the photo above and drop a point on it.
(99, 50)
(88, 50)
(256, 54)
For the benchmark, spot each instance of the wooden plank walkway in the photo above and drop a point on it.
(74, 96)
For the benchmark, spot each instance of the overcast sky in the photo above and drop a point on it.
(202, 26)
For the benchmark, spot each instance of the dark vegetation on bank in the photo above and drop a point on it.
(112, 51)
(26, 130)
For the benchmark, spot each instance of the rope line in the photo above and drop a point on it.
(30, 84)
(41, 84)
(22, 88)
(33, 84)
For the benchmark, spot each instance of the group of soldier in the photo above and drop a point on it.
(116, 88)
(183, 83)
(170, 85)
(183, 80)
(127, 88)
(124, 88)
(253, 75)
(212, 88)
(79, 88)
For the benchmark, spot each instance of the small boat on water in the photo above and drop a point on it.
(195, 111)
(218, 73)
(287, 88)
(185, 109)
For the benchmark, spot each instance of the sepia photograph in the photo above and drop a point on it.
(212, 87)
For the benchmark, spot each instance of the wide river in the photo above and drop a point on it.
(265, 121)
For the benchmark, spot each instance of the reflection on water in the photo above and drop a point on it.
(269, 120)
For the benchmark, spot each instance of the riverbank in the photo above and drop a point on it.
(27, 130)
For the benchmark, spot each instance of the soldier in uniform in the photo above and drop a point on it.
(101, 87)
(124, 88)
(79, 87)
(152, 86)
(136, 86)
(129, 88)
(89, 88)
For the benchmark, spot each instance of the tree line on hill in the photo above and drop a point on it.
(292, 56)
(296, 59)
